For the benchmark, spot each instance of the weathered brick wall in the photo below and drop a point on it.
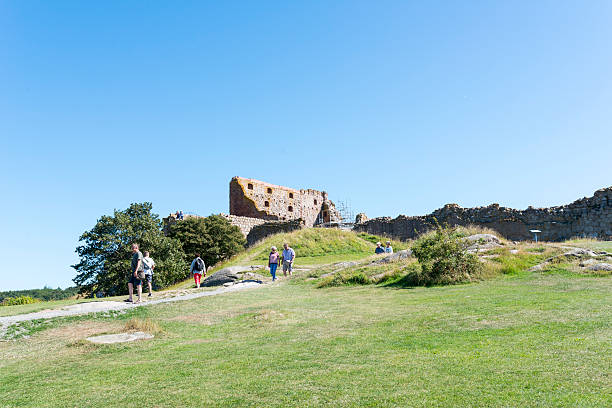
(587, 217)
(257, 199)
(261, 231)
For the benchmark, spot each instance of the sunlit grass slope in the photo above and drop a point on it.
(314, 246)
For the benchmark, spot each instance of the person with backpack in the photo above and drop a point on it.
(149, 265)
(197, 269)
(273, 262)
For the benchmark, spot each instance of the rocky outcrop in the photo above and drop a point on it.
(587, 217)
(481, 242)
(220, 277)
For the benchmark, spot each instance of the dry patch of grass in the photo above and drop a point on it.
(143, 325)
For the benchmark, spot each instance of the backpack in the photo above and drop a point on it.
(199, 265)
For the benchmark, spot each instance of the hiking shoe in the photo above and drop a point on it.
(150, 295)
(128, 301)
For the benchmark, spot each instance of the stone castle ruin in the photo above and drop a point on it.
(260, 209)
(588, 217)
(257, 199)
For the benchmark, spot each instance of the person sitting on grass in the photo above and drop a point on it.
(379, 249)
(273, 262)
(197, 269)
(388, 248)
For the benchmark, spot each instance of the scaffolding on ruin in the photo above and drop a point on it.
(347, 215)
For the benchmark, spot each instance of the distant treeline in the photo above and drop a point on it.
(42, 294)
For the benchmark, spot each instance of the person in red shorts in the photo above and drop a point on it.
(197, 269)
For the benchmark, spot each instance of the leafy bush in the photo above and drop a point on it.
(213, 237)
(20, 300)
(444, 259)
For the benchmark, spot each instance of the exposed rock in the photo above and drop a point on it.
(601, 267)
(220, 277)
(514, 251)
(481, 242)
(343, 265)
(580, 253)
(588, 262)
(252, 276)
(361, 217)
(120, 337)
(537, 268)
(240, 269)
(406, 253)
(226, 284)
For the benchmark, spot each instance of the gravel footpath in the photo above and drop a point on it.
(95, 307)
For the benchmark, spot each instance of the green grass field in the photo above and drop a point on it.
(517, 339)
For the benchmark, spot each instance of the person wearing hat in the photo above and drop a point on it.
(388, 248)
(379, 249)
(273, 262)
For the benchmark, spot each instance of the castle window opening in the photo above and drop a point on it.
(315, 201)
(250, 186)
(267, 203)
(290, 195)
(269, 190)
(290, 209)
(325, 213)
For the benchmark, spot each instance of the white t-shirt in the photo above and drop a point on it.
(148, 264)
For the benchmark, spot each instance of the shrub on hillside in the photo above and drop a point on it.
(213, 237)
(444, 259)
(20, 300)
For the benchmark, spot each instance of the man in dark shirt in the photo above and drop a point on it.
(133, 278)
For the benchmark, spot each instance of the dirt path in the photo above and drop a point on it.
(95, 307)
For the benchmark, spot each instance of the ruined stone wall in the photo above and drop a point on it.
(245, 224)
(587, 217)
(257, 199)
(261, 231)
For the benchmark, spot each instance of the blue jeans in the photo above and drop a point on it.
(273, 270)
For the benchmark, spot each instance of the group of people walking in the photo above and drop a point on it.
(275, 258)
(142, 269)
(142, 266)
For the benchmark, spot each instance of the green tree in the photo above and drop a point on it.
(105, 251)
(213, 237)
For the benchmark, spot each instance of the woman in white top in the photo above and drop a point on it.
(149, 265)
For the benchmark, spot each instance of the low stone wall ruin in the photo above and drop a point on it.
(245, 224)
(587, 217)
(261, 231)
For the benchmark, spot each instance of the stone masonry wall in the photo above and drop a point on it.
(587, 217)
(261, 231)
(257, 199)
(245, 224)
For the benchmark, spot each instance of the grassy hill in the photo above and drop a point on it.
(314, 246)
(520, 338)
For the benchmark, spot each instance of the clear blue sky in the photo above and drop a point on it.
(397, 106)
